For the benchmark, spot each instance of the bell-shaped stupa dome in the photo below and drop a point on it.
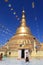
(23, 29)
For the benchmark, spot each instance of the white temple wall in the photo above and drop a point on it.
(13, 53)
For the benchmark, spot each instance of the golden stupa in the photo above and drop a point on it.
(23, 41)
(23, 38)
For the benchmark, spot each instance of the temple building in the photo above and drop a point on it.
(22, 42)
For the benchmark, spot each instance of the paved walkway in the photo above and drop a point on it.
(12, 61)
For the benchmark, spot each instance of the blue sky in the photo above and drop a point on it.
(9, 21)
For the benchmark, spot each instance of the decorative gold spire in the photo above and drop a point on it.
(23, 20)
(23, 29)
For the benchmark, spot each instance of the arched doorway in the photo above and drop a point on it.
(9, 53)
(22, 53)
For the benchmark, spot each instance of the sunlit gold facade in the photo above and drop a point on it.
(23, 39)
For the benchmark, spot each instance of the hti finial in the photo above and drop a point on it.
(23, 11)
(23, 14)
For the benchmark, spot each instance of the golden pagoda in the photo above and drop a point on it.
(23, 41)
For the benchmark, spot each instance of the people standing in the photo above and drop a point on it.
(27, 57)
(1, 56)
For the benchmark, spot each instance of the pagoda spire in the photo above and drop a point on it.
(23, 29)
(23, 20)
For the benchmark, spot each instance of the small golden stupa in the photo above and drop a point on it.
(23, 41)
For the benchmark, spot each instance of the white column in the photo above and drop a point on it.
(34, 45)
(19, 54)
